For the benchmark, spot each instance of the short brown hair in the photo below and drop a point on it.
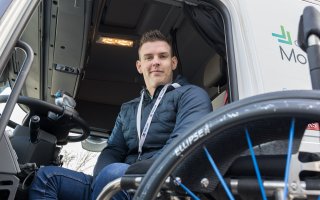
(154, 35)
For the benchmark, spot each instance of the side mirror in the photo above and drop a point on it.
(93, 143)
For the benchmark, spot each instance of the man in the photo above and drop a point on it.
(143, 127)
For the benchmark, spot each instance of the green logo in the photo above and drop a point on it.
(284, 37)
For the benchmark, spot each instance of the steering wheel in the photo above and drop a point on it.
(55, 120)
(224, 134)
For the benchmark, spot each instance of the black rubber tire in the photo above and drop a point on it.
(272, 111)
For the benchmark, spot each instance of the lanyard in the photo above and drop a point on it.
(142, 136)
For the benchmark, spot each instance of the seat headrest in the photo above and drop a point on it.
(215, 72)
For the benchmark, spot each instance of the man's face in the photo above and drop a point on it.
(156, 64)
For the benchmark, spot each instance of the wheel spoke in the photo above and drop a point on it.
(256, 167)
(189, 192)
(286, 176)
(216, 170)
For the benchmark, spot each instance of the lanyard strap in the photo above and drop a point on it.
(142, 136)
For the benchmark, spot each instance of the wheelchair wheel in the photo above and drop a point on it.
(201, 160)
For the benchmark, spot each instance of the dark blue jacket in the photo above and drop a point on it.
(177, 111)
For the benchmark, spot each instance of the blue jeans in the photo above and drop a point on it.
(53, 182)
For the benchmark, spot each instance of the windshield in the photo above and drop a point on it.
(18, 114)
(4, 4)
